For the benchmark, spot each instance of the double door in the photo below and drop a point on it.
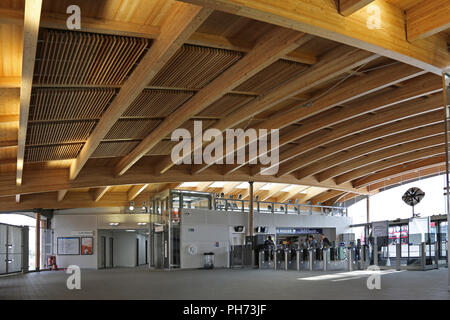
(11, 249)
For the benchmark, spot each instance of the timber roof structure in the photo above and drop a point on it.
(86, 115)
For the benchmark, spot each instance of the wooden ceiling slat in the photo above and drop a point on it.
(157, 103)
(52, 152)
(69, 103)
(67, 57)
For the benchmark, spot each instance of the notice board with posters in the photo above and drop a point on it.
(68, 246)
(380, 231)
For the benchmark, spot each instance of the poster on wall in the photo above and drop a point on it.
(68, 246)
(87, 246)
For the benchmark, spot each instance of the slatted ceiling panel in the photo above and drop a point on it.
(69, 104)
(157, 103)
(131, 129)
(318, 46)
(65, 57)
(54, 152)
(189, 125)
(282, 107)
(58, 132)
(272, 76)
(114, 149)
(225, 105)
(193, 67)
(162, 148)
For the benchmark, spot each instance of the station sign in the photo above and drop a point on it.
(299, 230)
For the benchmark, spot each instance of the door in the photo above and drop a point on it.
(157, 251)
(11, 249)
(146, 251)
(111, 252)
(14, 249)
(137, 252)
(103, 252)
(3, 242)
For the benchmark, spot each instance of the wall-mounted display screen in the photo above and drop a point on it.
(68, 245)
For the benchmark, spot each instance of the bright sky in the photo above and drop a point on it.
(17, 220)
(388, 205)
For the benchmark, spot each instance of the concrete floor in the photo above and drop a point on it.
(225, 284)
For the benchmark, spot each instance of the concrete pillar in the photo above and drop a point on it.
(38, 241)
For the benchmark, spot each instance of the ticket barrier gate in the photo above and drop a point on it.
(320, 259)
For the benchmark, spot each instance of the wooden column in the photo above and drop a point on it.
(368, 208)
(250, 208)
(38, 241)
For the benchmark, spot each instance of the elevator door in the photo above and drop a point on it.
(157, 251)
(111, 252)
(103, 252)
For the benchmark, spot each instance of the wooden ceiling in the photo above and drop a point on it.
(86, 115)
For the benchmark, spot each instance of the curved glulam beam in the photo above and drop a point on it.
(345, 170)
(406, 177)
(427, 18)
(183, 20)
(321, 18)
(348, 7)
(318, 159)
(391, 162)
(30, 38)
(325, 196)
(136, 191)
(330, 167)
(331, 65)
(399, 170)
(423, 85)
(53, 180)
(269, 48)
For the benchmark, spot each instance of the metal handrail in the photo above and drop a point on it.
(229, 204)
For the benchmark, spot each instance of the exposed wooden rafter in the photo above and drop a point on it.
(30, 37)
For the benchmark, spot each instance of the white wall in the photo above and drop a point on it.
(125, 249)
(204, 229)
(63, 227)
(142, 240)
(67, 221)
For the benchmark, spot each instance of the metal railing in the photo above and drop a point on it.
(239, 205)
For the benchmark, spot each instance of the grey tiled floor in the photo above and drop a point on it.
(223, 284)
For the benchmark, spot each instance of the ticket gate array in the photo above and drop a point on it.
(315, 259)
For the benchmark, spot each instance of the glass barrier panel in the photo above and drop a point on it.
(292, 209)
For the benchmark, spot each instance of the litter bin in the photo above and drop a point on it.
(208, 260)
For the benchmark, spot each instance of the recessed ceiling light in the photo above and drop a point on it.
(130, 230)
(114, 224)
(142, 223)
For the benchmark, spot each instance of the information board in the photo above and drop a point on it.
(68, 245)
(380, 228)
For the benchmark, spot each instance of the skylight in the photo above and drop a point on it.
(243, 185)
(217, 184)
(189, 184)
